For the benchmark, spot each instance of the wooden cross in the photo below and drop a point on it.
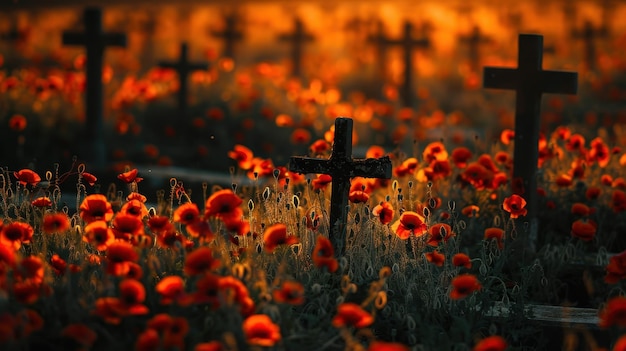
(183, 67)
(341, 167)
(230, 34)
(589, 34)
(473, 41)
(298, 38)
(529, 81)
(95, 40)
(408, 44)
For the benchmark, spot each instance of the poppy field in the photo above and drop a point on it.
(105, 259)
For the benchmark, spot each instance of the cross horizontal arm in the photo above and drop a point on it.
(114, 39)
(559, 82)
(308, 165)
(500, 78)
(371, 168)
(73, 38)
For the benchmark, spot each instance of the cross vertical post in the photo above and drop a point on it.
(183, 67)
(529, 81)
(95, 41)
(408, 43)
(230, 34)
(341, 167)
(473, 42)
(298, 38)
(588, 35)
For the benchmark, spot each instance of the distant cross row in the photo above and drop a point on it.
(297, 39)
(530, 82)
(341, 167)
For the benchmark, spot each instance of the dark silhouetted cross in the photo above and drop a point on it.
(473, 41)
(341, 167)
(588, 35)
(183, 67)
(230, 35)
(408, 44)
(95, 41)
(529, 81)
(298, 38)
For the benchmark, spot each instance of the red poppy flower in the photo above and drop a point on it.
(42, 201)
(463, 285)
(319, 147)
(435, 151)
(491, 343)
(321, 182)
(58, 265)
(209, 346)
(130, 176)
(81, 334)
(580, 209)
(439, 232)
(202, 229)
(409, 223)
(200, 261)
(477, 175)
(576, 142)
(599, 152)
(387, 346)
(171, 289)
(159, 224)
(135, 208)
(460, 156)
(461, 260)
(27, 176)
(119, 254)
(99, 235)
(564, 180)
(242, 155)
(384, 211)
(132, 295)
(352, 315)
(300, 136)
(95, 207)
(407, 167)
(290, 292)
(613, 313)
(125, 226)
(169, 239)
(16, 233)
(232, 290)
(30, 268)
(148, 340)
(507, 136)
(276, 235)
(470, 211)
(324, 255)
(436, 258)
(223, 204)
(261, 331)
(187, 214)
(55, 223)
(514, 205)
(584, 230)
(173, 338)
(29, 321)
(89, 178)
(616, 269)
(618, 201)
(494, 233)
(358, 196)
(620, 344)
(18, 123)
(7, 257)
(375, 151)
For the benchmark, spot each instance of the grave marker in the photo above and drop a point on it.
(341, 167)
(408, 44)
(183, 67)
(473, 41)
(298, 38)
(230, 35)
(529, 81)
(95, 41)
(588, 35)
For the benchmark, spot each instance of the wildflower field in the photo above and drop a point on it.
(107, 259)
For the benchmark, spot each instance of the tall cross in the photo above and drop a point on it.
(529, 81)
(341, 167)
(473, 41)
(408, 44)
(589, 34)
(183, 67)
(95, 40)
(230, 34)
(298, 38)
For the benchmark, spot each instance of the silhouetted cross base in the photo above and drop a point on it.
(298, 38)
(341, 167)
(95, 41)
(529, 81)
(183, 67)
